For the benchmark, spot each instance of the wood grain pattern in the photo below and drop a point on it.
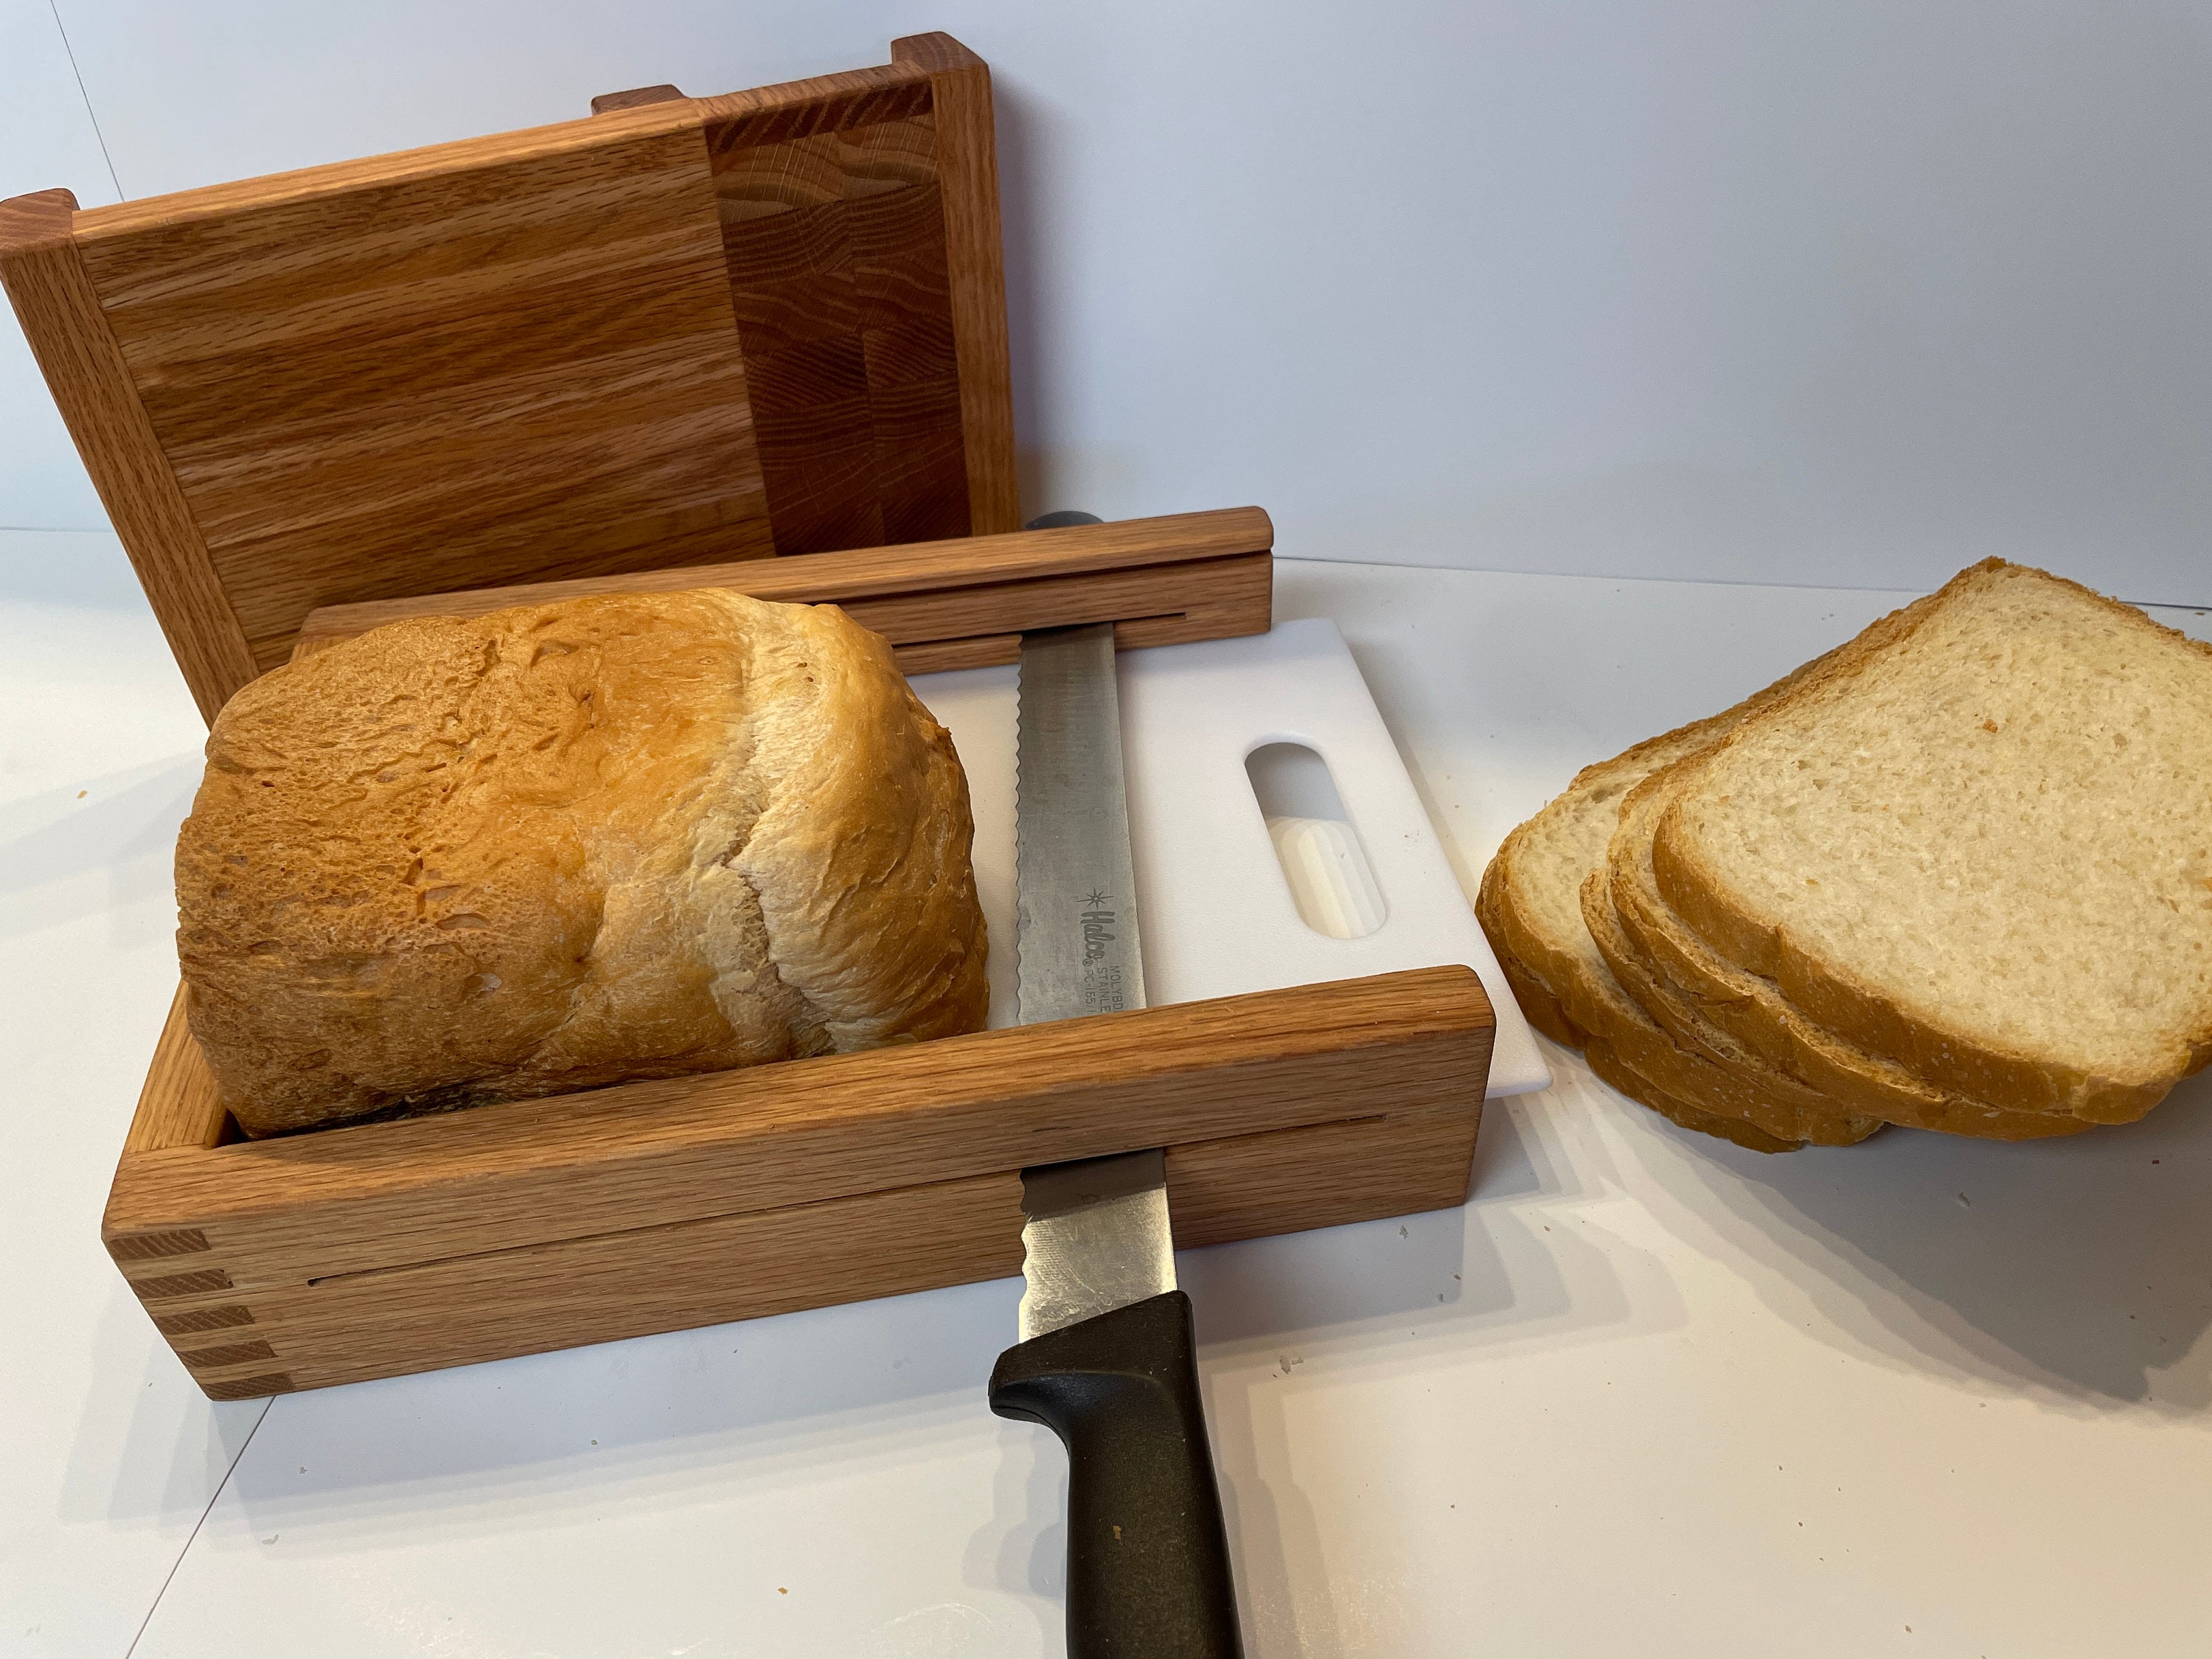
(1169, 604)
(1238, 588)
(518, 368)
(802, 109)
(155, 1246)
(535, 355)
(352, 1327)
(54, 300)
(602, 1287)
(807, 1130)
(1168, 581)
(1218, 617)
(1326, 1174)
(397, 1246)
(859, 574)
(659, 1279)
(835, 242)
(968, 178)
(176, 1106)
(979, 627)
(333, 182)
(607, 103)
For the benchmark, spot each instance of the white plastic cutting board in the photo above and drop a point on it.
(1216, 909)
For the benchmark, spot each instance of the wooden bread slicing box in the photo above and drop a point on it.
(657, 349)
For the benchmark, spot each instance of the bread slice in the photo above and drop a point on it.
(1982, 849)
(1625, 1078)
(1544, 1012)
(1538, 1006)
(1780, 1105)
(1753, 1011)
(1530, 907)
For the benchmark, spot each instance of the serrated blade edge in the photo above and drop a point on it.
(1097, 1238)
(1076, 930)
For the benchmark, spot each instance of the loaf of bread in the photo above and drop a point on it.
(454, 861)
(1955, 875)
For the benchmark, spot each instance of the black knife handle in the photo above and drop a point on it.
(1147, 1556)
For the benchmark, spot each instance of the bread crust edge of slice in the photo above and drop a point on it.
(1846, 1003)
(1619, 1075)
(1775, 1102)
(1538, 1006)
(1679, 1072)
(1689, 1077)
(1764, 1020)
(1544, 1012)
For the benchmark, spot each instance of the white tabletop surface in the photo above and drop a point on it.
(1643, 1394)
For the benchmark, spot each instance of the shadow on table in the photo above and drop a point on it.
(121, 827)
(2078, 1269)
(1507, 1271)
(669, 1419)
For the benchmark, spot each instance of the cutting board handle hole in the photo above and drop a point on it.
(1326, 868)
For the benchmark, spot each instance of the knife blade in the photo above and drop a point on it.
(1107, 1358)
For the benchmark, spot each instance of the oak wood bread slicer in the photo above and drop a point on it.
(659, 347)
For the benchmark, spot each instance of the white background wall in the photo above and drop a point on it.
(1844, 292)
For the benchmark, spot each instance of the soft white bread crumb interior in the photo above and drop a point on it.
(1984, 850)
(1688, 974)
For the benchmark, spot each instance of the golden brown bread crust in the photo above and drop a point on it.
(1543, 1011)
(1762, 1094)
(1538, 1006)
(457, 861)
(1697, 1084)
(1612, 1069)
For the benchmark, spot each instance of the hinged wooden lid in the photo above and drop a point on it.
(685, 330)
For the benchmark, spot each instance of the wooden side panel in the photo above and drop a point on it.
(515, 365)
(600, 1289)
(968, 172)
(1234, 587)
(1215, 600)
(54, 300)
(1328, 1175)
(836, 250)
(347, 1328)
(976, 628)
(496, 1177)
(1227, 602)
(540, 355)
(177, 1107)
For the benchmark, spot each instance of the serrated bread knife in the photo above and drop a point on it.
(1106, 1359)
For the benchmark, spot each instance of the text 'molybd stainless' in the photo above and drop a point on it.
(1106, 1358)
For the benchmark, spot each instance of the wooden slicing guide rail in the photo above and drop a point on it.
(955, 604)
(404, 1245)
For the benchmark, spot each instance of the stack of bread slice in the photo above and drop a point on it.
(1955, 875)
